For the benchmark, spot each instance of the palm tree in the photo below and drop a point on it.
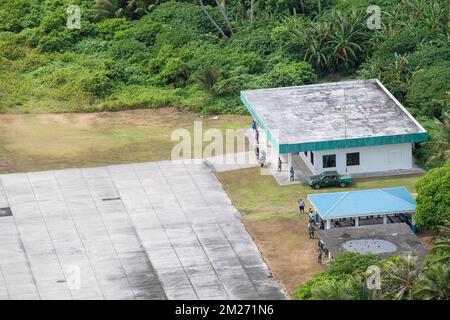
(209, 78)
(399, 278)
(442, 243)
(316, 51)
(434, 283)
(344, 37)
(350, 288)
(335, 290)
(442, 145)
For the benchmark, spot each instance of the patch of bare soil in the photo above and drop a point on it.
(426, 238)
(290, 254)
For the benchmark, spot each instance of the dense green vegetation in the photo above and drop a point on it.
(433, 198)
(402, 278)
(200, 54)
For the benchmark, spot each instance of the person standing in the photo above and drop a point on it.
(262, 159)
(311, 230)
(257, 153)
(257, 136)
(279, 164)
(301, 205)
(254, 125)
(291, 174)
(311, 214)
(319, 257)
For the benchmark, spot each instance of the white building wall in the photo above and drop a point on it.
(372, 159)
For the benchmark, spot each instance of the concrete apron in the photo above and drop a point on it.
(136, 231)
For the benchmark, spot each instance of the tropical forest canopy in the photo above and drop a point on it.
(199, 54)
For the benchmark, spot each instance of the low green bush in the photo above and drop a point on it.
(433, 198)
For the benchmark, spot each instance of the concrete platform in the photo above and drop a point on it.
(232, 161)
(137, 231)
(399, 234)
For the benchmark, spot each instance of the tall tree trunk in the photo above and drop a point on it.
(212, 19)
(252, 4)
(302, 6)
(244, 10)
(221, 7)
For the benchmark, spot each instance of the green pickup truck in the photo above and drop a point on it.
(329, 178)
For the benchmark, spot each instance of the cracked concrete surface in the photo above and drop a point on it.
(137, 231)
(315, 113)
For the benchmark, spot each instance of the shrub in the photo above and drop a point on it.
(307, 290)
(97, 84)
(404, 41)
(175, 72)
(424, 151)
(433, 198)
(107, 28)
(255, 38)
(130, 49)
(347, 263)
(289, 74)
(143, 32)
(16, 15)
(135, 96)
(182, 16)
(57, 41)
(429, 55)
(429, 90)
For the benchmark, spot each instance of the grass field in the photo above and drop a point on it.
(273, 219)
(51, 141)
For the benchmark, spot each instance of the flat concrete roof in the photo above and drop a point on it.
(399, 234)
(348, 110)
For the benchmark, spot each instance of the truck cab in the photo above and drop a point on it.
(329, 178)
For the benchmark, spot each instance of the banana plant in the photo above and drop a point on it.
(132, 9)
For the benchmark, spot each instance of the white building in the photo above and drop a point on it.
(353, 127)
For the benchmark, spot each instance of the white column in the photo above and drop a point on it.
(328, 224)
(384, 219)
(357, 222)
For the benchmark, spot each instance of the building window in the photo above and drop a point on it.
(312, 158)
(329, 161)
(353, 159)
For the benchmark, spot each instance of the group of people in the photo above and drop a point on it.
(311, 220)
(260, 155)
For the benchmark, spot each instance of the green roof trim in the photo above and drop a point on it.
(333, 144)
(353, 143)
(260, 122)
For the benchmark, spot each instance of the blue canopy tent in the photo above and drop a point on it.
(361, 204)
